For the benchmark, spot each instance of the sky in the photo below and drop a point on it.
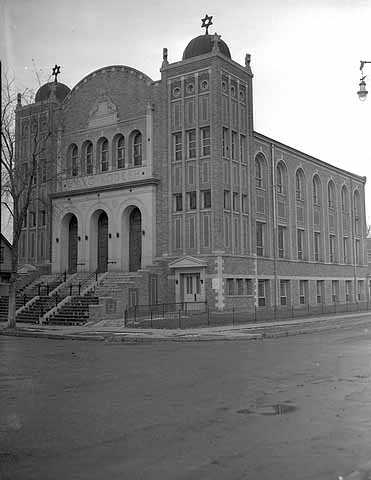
(305, 57)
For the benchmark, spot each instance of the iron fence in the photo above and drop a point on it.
(195, 314)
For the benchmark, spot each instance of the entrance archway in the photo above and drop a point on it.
(102, 244)
(135, 240)
(72, 245)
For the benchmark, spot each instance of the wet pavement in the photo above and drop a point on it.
(292, 408)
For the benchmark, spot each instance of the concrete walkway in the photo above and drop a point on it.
(115, 331)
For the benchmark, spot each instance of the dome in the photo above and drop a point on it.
(204, 44)
(43, 93)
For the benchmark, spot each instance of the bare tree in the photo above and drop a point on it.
(17, 179)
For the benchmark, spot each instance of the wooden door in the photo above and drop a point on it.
(102, 242)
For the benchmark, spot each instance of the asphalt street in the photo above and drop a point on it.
(290, 408)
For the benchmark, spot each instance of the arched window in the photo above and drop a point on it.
(331, 194)
(259, 171)
(344, 200)
(88, 157)
(299, 185)
(137, 149)
(120, 152)
(73, 160)
(316, 190)
(103, 154)
(281, 178)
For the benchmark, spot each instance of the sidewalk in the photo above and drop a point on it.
(114, 330)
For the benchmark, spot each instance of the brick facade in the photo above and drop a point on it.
(229, 216)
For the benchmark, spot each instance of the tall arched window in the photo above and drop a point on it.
(137, 149)
(316, 190)
(281, 178)
(259, 171)
(344, 200)
(73, 160)
(88, 157)
(103, 154)
(331, 194)
(299, 183)
(120, 152)
(357, 212)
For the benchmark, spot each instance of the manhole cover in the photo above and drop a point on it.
(277, 409)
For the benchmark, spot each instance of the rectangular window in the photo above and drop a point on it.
(357, 252)
(230, 286)
(259, 239)
(335, 290)
(242, 148)
(205, 141)
(177, 115)
(283, 291)
(191, 238)
(236, 233)
(332, 248)
(42, 217)
(227, 199)
(225, 142)
(206, 231)
(206, 198)
(303, 291)
(248, 286)
(281, 241)
(190, 112)
(191, 169)
(261, 293)
(320, 290)
(345, 249)
(178, 202)
(348, 290)
(236, 175)
(360, 290)
(226, 231)
(244, 203)
(234, 145)
(236, 202)
(32, 218)
(239, 282)
(191, 143)
(192, 200)
(178, 233)
(316, 246)
(204, 108)
(205, 171)
(32, 244)
(300, 243)
(177, 146)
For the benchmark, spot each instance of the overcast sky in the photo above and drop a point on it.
(305, 58)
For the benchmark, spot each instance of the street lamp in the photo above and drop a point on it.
(362, 92)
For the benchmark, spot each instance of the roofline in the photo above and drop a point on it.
(289, 149)
(3, 237)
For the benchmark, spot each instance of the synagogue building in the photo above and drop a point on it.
(168, 182)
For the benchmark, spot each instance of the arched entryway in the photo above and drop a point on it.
(135, 240)
(102, 244)
(72, 245)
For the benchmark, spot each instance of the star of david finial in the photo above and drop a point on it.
(56, 71)
(206, 22)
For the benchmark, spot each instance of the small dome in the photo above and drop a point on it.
(43, 93)
(204, 44)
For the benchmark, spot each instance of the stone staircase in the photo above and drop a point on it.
(74, 312)
(41, 297)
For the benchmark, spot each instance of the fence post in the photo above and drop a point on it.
(135, 313)
(71, 290)
(24, 299)
(163, 310)
(180, 321)
(47, 288)
(125, 316)
(232, 315)
(292, 311)
(255, 313)
(79, 288)
(208, 315)
(151, 319)
(38, 289)
(56, 299)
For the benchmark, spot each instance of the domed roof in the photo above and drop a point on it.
(204, 44)
(43, 93)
